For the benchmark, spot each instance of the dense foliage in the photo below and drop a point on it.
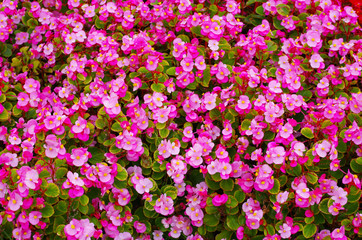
(180, 119)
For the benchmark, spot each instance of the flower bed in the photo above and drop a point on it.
(180, 119)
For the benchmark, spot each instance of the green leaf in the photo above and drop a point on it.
(307, 132)
(252, 2)
(84, 200)
(4, 116)
(60, 230)
(214, 114)
(276, 187)
(260, 10)
(158, 87)
(351, 208)
(245, 124)
(170, 191)
(61, 207)
(171, 71)
(309, 230)
(52, 190)
(101, 123)
(270, 229)
(224, 45)
(97, 155)
(224, 235)
(354, 197)
(272, 46)
(206, 77)
(7, 50)
(231, 202)
(227, 185)
(342, 146)
(213, 8)
(99, 24)
(164, 133)
(283, 9)
(323, 206)
(357, 168)
(47, 210)
(212, 184)
(61, 172)
(16, 111)
(142, 70)
(121, 173)
(83, 209)
(232, 222)
(116, 127)
(277, 24)
(239, 196)
(211, 220)
(312, 177)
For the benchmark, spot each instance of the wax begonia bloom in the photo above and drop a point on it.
(316, 61)
(219, 200)
(144, 185)
(323, 148)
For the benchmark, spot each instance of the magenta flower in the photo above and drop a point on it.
(240, 233)
(219, 200)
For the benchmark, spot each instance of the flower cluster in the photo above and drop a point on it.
(200, 119)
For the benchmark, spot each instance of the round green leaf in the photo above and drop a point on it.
(276, 187)
(309, 230)
(211, 220)
(52, 190)
(307, 132)
(47, 211)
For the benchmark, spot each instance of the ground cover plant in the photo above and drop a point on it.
(180, 119)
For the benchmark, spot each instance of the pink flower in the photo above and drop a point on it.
(285, 230)
(323, 148)
(213, 44)
(15, 201)
(73, 228)
(316, 61)
(75, 179)
(31, 178)
(219, 200)
(34, 217)
(143, 185)
(240, 233)
(200, 63)
(338, 233)
(209, 101)
(282, 197)
(140, 227)
(31, 85)
(152, 63)
(313, 38)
